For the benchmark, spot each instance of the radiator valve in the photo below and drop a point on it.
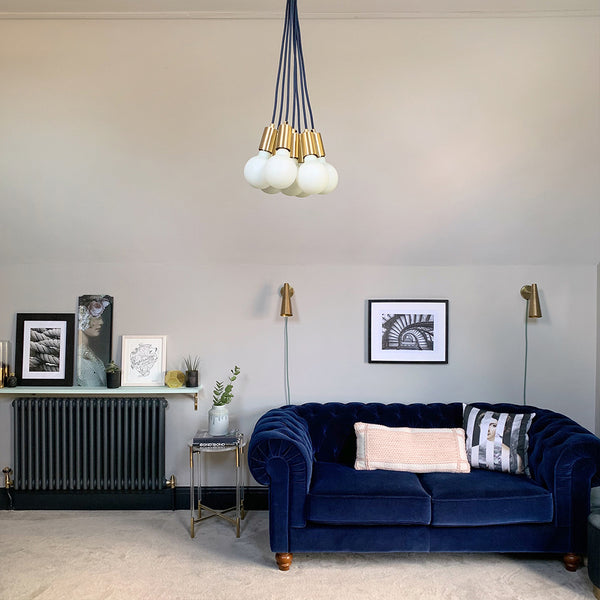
(8, 482)
(171, 483)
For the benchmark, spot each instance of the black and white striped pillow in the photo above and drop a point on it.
(497, 441)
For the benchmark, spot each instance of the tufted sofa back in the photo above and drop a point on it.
(331, 425)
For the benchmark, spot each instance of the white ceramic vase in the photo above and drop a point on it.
(218, 420)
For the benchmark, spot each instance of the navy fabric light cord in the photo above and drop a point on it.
(291, 87)
(281, 53)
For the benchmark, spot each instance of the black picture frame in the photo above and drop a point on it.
(45, 349)
(408, 331)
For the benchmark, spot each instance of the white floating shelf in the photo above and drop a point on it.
(125, 390)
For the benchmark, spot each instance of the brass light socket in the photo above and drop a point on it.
(267, 141)
(308, 143)
(284, 136)
(295, 149)
(530, 292)
(286, 300)
(319, 142)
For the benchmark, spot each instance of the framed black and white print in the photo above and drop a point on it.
(45, 349)
(408, 331)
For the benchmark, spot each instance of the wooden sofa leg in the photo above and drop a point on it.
(284, 560)
(572, 561)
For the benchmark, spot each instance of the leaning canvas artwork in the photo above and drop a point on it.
(94, 339)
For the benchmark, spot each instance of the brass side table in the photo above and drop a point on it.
(204, 443)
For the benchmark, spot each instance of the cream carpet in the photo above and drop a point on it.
(81, 555)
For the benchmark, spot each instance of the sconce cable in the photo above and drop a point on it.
(526, 344)
(286, 374)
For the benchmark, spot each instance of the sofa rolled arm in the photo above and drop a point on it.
(280, 455)
(565, 458)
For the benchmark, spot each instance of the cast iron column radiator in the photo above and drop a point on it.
(89, 444)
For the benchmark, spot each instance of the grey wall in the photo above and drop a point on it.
(230, 315)
(467, 152)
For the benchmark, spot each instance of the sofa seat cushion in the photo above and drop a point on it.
(341, 495)
(486, 498)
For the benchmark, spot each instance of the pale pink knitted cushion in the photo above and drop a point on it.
(408, 449)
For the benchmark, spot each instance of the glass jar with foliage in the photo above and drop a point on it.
(218, 415)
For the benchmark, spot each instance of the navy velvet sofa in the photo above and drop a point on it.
(318, 502)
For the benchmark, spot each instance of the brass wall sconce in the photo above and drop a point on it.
(286, 300)
(534, 311)
(530, 293)
(286, 311)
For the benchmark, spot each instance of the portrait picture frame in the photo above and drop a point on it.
(408, 331)
(143, 360)
(45, 349)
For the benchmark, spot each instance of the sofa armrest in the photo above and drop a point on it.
(565, 458)
(280, 455)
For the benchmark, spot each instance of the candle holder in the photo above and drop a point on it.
(5, 358)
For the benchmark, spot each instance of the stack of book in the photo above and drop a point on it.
(205, 440)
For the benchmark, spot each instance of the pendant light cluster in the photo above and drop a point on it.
(289, 161)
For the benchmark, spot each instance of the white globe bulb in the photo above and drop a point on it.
(333, 178)
(292, 190)
(312, 175)
(254, 170)
(270, 190)
(281, 170)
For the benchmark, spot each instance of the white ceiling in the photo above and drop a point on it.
(272, 8)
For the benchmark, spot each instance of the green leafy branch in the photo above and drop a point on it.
(223, 394)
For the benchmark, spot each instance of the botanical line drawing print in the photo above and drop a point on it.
(143, 358)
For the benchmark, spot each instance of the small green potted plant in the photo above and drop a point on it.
(191, 370)
(113, 375)
(218, 415)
